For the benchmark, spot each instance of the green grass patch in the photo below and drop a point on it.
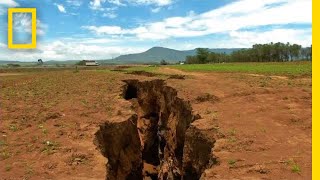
(8, 167)
(4, 154)
(284, 68)
(50, 147)
(295, 168)
(2, 143)
(232, 162)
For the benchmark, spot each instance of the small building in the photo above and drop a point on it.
(90, 63)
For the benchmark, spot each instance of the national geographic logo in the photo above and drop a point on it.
(33, 43)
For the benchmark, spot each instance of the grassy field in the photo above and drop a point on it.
(289, 68)
(286, 69)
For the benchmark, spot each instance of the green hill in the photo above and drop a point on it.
(156, 54)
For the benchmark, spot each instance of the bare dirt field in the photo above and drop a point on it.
(63, 124)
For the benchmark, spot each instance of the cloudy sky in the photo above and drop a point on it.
(102, 29)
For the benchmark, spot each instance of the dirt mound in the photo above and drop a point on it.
(207, 97)
(177, 76)
(151, 143)
(142, 73)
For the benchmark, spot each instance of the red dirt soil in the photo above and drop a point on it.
(262, 125)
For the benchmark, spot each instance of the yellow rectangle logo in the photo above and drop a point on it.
(33, 12)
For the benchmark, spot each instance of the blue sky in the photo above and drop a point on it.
(102, 29)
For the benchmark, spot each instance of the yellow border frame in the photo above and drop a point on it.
(315, 91)
(33, 12)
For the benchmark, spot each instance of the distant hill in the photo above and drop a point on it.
(156, 54)
(8, 62)
(153, 55)
(66, 62)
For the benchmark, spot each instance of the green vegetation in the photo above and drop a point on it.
(288, 68)
(29, 169)
(13, 127)
(232, 132)
(13, 65)
(273, 52)
(50, 147)
(2, 143)
(163, 62)
(81, 63)
(76, 70)
(295, 168)
(8, 167)
(232, 139)
(5, 154)
(232, 162)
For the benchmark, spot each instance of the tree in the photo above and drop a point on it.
(306, 53)
(192, 60)
(310, 52)
(272, 52)
(202, 55)
(40, 62)
(212, 57)
(295, 50)
(163, 62)
(81, 63)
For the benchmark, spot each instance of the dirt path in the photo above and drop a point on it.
(171, 71)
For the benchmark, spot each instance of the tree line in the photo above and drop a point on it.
(272, 52)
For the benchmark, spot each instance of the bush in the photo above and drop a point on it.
(13, 65)
(163, 62)
(81, 63)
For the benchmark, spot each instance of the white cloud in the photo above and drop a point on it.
(110, 15)
(4, 4)
(62, 50)
(104, 29)
(22, 23)
(10, 3)
(232, 17)
(41, 28)
(151, 2)
(60, 7)
(116, 2)
(97, 4)
(98, 41)
(2, 45)
(75, 3)
(242, 39)
(247, 38)
(156, 10)
(235, 25)
(106, 12)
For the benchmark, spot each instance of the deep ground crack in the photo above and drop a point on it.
(158, 142)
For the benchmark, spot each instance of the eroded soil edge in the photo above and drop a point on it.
(159, 141)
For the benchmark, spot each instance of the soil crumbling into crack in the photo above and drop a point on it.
(158, 142)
